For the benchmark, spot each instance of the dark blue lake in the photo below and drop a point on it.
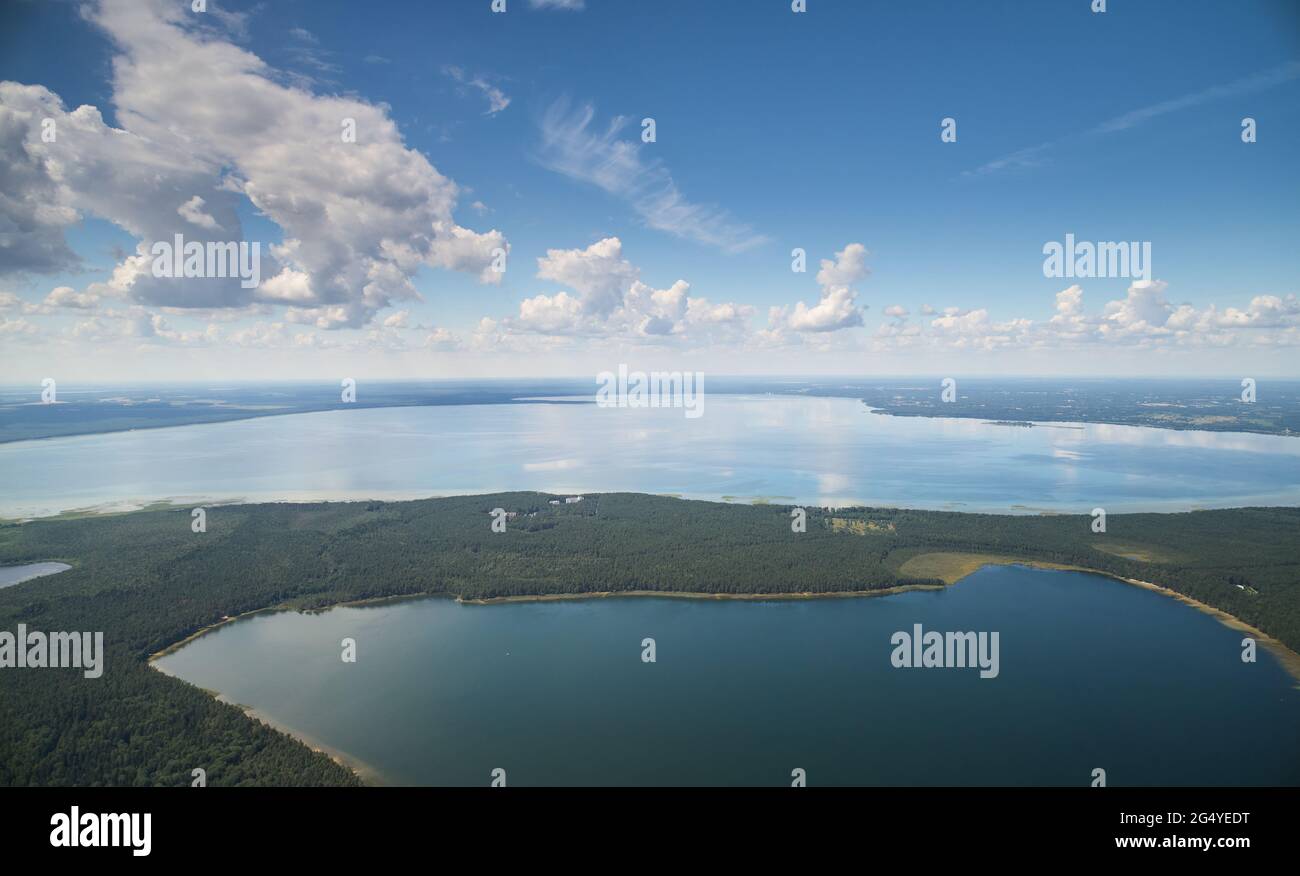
(1093, 673)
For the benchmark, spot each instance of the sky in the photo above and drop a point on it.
(438, 190)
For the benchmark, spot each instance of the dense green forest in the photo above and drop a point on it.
(147, 581)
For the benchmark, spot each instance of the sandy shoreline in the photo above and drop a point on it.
(1289, 659)
(687, 594)
(368, 774)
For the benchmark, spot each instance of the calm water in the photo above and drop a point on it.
(11, 575)
(821, 451)
(1093, 673)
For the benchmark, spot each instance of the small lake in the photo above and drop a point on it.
(1093, 673)
(11, 575)
(822, 451)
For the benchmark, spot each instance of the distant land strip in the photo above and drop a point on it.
(1214, 406)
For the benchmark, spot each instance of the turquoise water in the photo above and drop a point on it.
(1093, 673)
(825, 451)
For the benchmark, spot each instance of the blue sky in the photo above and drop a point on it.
(775, 130)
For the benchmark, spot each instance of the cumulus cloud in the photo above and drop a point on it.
(849, 267)
(12, 303)
(974, 328)
(14, 329)
(399, 320)
(836, 310)
(192, 212)
(599, 274)
(1143, 318)
(32, 216)
(142, 186)
(443, 340)
(838, 307)
(205, 123)
(66, 296)
(1143, 311)
(1264, 311)
(609, 300)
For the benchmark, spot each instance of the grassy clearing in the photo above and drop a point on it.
(951, 567)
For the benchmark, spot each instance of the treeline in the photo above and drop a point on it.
(147, 581)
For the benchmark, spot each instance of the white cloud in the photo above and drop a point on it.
(599, 274)
(192, 211)
(836, 310)
(200, 114)
(1144, 318)
(496, 98)
(552, 314)
(610, 300)
(32, 216)
(1033, 156)
(1143, 311)
(66, 296)
(849, 267)
(443, 340)
(571, 146)
(16, 328)
(838, 307)
(10, 301)
(1247, 85)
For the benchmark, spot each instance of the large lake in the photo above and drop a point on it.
(1093, 673)
(824, 451)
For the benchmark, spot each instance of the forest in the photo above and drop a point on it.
(148, 581)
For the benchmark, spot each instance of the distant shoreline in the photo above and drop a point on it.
(231, 415)
(262, 414)
(172, 503)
